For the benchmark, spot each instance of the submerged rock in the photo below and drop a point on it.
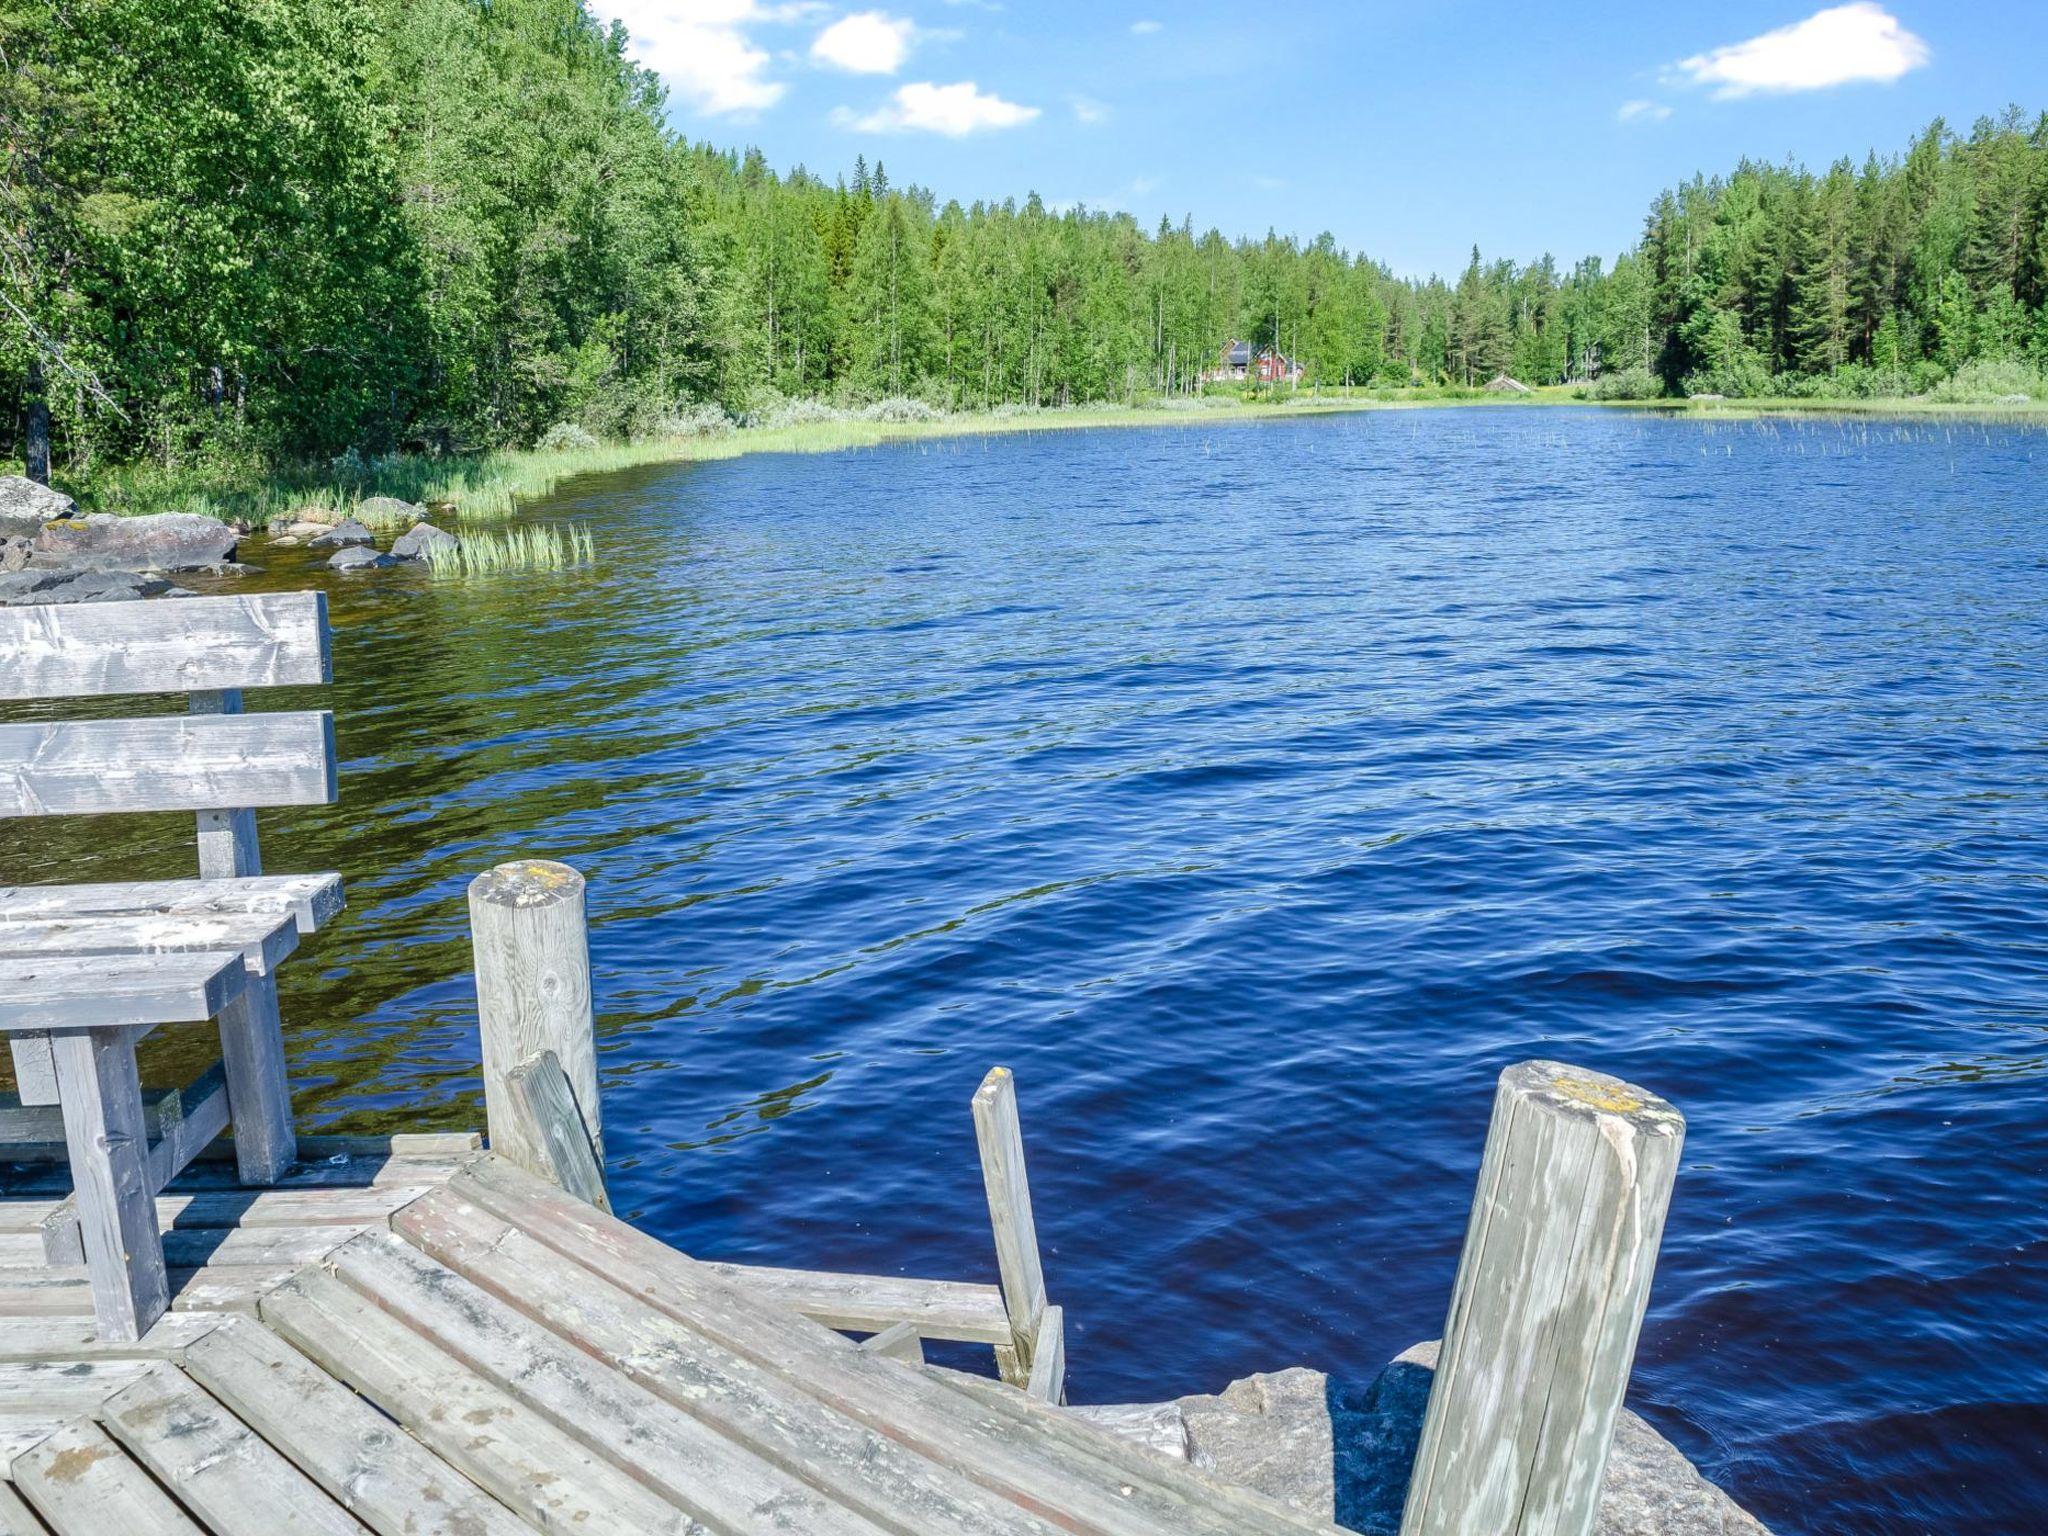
(350, 532)
(359, 557)
(1650, 1488)
(167, 541)
(421, 542)
(26, 505)
(44, 585)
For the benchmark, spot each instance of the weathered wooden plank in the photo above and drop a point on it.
(66, 1291)
(60, 1338)
(1000, 1138)
(693, 1466)
(261, 640)
(521, 1459)
(1028, 1452)
(264, 939)
(228, 848)
(373, 1469)
(899, 1341)
(104, 1130)
(1157, 1426)
(16, 1518)
(161, 1112)
(35, 1077)
(64, 1389)
(1048, 1381)
(60, 992)
(1573, 1190)
(527, 928)
(22, 1431)
(551, 1128)
(166, 763)
(178, 1124)
(939, 1309)
(84, 1484)
(215, 1208)
(259, 1247)
(311, 900)
(853, 1464)
(215, 1464)
(259, 1092)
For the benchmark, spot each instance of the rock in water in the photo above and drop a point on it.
(350, 532)
(359, 557)
(168, 541)
(1650, 1489)
(421, 542)
(25, 506)
(19, 589)
(390, 507)
(1269, 1433)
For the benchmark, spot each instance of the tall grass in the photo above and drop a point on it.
(514, 551)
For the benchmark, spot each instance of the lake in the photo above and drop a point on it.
(1258, 792)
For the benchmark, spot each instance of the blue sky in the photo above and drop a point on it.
(1409, 131)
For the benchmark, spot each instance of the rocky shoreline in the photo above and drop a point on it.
(1344, 1455)
(51, 553)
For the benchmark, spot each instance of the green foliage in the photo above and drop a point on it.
(366, 244)
(511, 551)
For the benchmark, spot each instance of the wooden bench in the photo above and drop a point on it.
(86, 971)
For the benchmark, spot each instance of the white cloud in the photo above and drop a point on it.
(704, 48)
(954, 110)
(1145, 28)
(865, 43)
(1088, 110)
(1837, 46)
(1642, 111)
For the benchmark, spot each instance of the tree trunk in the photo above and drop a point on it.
(36, 450)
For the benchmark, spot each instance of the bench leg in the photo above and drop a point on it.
(259, 1094)
(104, 1133)
(35, 1079)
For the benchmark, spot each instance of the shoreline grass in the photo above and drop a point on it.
(494, 484)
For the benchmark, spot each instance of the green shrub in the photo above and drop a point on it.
(1992, 382)
(565, 437)
(1625, 384)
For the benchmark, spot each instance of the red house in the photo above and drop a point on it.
(1236, 363)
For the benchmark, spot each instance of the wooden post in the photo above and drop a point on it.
(251, 1029)
(533, 995)
(1001, 1139)
(1550, 1293)
(108, 1142)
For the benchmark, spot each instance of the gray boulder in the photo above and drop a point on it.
(421, 542)
(1269, 1433)
(390, 507)
(168, 541)
(23, 588)
(15, 552)
(1650, 1489)
(350, 532)
(25, 506)
(359, 557)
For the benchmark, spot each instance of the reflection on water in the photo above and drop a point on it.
(1257, 793)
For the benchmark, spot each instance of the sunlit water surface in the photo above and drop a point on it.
(1257, 793)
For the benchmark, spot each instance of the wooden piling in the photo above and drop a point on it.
(532, 951)
(1549, 1298)
(1000, 1137)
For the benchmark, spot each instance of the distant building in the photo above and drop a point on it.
(1237, 363)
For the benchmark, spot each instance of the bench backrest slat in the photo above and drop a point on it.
(167, 763)
(183, 645)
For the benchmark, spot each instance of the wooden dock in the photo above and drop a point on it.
(422, 1344)
(278, 1336)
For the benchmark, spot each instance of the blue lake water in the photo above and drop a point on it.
(1257, 793)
